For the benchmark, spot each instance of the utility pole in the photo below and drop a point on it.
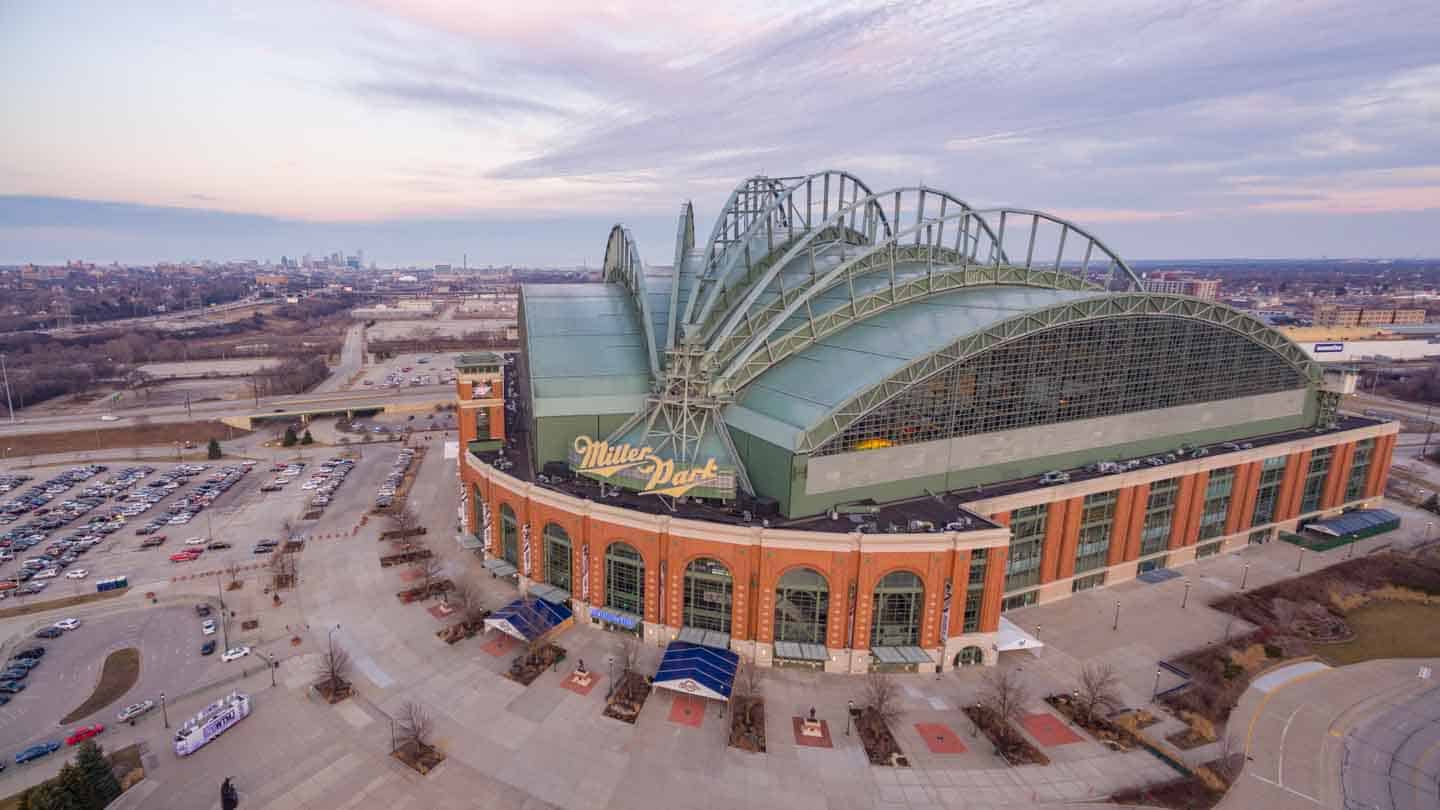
(224, 620)
(188, 414)
(6, 374)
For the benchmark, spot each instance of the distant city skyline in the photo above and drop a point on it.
(519, 133)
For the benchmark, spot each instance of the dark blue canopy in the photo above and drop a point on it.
(527, 619)
(696, 670)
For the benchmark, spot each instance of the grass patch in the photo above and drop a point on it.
(121, 671)
(123, 438)
(63, 602)
(1388, 629)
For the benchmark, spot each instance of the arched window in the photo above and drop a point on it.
(624, 579)
(708, 591)
(802, 606)
(895, 615)
(476, 501)
(557, 557)
(509, 535)
(969, 656)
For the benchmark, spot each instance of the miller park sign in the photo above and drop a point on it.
(656, 475)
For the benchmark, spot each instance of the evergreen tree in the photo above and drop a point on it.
(290, 439)
(24, 803)
(98, 774)
(50, 796)
(307, 438)
(76, 788)
(214, 450)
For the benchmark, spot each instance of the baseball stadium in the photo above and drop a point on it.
(852, 428)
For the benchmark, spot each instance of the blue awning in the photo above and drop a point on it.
(1360, 522)
(697, 670)
(527, 619)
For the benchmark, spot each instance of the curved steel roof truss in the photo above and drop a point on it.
(1021, 326)
(623, 264)
(892, 209)
(776, 218)
(684, 243)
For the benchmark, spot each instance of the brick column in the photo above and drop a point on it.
(995, 561)
(1120, 526)
(1340, 462)
(1069, 538)
(497, 421)
(1189, 505)
(1242, 498)
(960, 577)
(1379, 465)
(1292, 488)
(1136, 526)
(1054, 533)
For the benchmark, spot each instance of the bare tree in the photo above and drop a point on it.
(414, 727)
(233, 570)
(283, 570)
(288, 527)
(1002, 692)
(625, 656)
(468, 601)
(1097, 690)
(747, 680)
(404, 522)
(881, 698)
(430, 567)
(333, 668)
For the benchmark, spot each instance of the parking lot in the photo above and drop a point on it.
(410, 370)
(168, 639)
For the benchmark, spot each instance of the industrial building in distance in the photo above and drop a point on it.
(850, 430)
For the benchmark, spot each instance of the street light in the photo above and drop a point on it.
(1300, 560)
(1244, 575)
(1116, 625)
(164, 715)
(1155, 693)
(1184, 600)
(849, 713)
(610, 668)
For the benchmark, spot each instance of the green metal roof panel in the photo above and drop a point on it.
(800, 390)
(585, 348)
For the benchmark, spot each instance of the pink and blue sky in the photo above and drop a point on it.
(518, 132)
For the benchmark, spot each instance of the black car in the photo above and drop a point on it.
(208, 647)
(202, 609)
(49, 632)
(37, 651)
(15, 674)
(27, 663)
(217, 545)
(11, 687)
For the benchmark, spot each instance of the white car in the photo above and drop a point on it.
(208, 627)
(196, 541)
(67, 624)
(48, 573)
(109, 417)
(78, 573)
(235, 653)
(134, 710)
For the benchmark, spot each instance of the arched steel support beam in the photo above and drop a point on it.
(623, 264)
(783, 218)
(906, 204)
(684, 243)
(1021, 326)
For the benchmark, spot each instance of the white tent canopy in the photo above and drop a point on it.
(1010, 637)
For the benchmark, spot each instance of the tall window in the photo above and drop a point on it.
(1217, 503)
(1359, 469)
(1096, 520)
(895, 617)
(624, 579)
(509, 535)
(802, 606)
(708, 592)
(557, 557)
(1159, 515)
(1315, 476)
(1268, 492)
(1095, 368)
(975, 590)
(1027, 538)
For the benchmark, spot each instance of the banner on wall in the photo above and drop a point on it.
(850, 640)
(945, 614)
(662, 592)
(487, 528)
(585, 573)
(525, 539)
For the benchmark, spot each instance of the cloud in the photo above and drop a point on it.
(465, 99)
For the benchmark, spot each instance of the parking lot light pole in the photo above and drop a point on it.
(164, 715)
(1155, 693)
(1116, 625)
(224, 617)
(1244, 575)
(1184, 600)
(1299, 561)
(849, 713)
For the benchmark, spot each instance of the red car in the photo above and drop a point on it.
(184, 556)
(84, 733)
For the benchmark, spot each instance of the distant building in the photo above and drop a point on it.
(272, 280)
(1182, 284)
(1338, 316)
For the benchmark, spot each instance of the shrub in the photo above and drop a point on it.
(1273, 651)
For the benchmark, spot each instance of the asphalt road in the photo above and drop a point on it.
(352, 356)
(1392, 761)
(169, 641)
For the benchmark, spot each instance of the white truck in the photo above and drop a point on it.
(211, 722)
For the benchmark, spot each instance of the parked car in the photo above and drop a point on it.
(217, 545)
(194, 541)
(1054, 477)
(202, 610)
(134, 710)
(84, 733)
(78, 573)
(11, 687)
(36, 751)
(68, 624)
(208, 647)
(49, 632)
(36, 652)
(235, 653)
(207, 627)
